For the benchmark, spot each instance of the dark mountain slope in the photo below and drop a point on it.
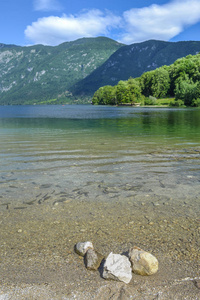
(133, 61)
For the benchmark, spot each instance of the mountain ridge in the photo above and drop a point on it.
(134, 60)
(73, 71)
(35, 73)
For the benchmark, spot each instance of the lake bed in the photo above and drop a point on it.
(118, 176)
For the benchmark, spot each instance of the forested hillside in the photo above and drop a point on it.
(73, 71)
(180, 80)
(133, 61)
(39, 73)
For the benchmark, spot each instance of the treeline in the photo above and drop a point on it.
(181, 81)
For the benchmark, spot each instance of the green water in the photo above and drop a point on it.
(155, 150)
(116, 176)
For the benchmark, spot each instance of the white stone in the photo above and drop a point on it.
(117, 267)
(143, 263)
(82, 247)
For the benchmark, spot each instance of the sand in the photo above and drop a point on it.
(37, 258)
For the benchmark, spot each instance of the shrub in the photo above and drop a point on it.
(150, 101)
(196, 102)
(177, 103)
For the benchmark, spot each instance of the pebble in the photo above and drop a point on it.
(82, 247)
(93, 259)
(151, 223)
(197, 283)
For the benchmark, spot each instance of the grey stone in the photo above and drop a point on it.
(117, 267)
(197, 283)
(82, 247)
(93, 259)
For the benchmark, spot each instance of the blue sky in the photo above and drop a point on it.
(51, 22)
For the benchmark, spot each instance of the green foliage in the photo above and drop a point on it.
(124, 92)
(134, 94)
(105, 95)
(155, 83)
(160, 83)
(73, 71)
(196, 102)
(187, 91)
(177, 103)
(180, 80)
(150, 101)
(128, 92)
(146, 81)
(184, 69)
(135, 60)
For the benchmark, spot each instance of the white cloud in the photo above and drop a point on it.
(161, 22)
(46, 5)
(55, 30)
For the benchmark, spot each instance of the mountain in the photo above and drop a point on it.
(6, 46)
(73, 71)
(133, 61)
(38, 73)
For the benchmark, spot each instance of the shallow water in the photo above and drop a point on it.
(118, 176)
(98, 151)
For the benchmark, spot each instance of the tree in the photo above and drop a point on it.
(160, 83)
(184, 69)
(121, 91)
(146, 83)
(188, 91)
(134, 91)
(181, 79)
(105, 96)
(155, 83)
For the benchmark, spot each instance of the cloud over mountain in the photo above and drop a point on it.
(161, 22)
(55, 30)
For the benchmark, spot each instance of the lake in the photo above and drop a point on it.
(117, 176)
(154, 150)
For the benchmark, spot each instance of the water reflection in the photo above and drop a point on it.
(126, 145)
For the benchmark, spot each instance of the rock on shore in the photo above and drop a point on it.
(117, 267)
(93, 259)
(82, 247)
(143, 263)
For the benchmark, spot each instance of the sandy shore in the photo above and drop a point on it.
(37, 258)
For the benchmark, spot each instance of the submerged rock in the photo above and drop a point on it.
(197, 283)
(82, 247)
(143, 263)
(93, 259)
(117, 267)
